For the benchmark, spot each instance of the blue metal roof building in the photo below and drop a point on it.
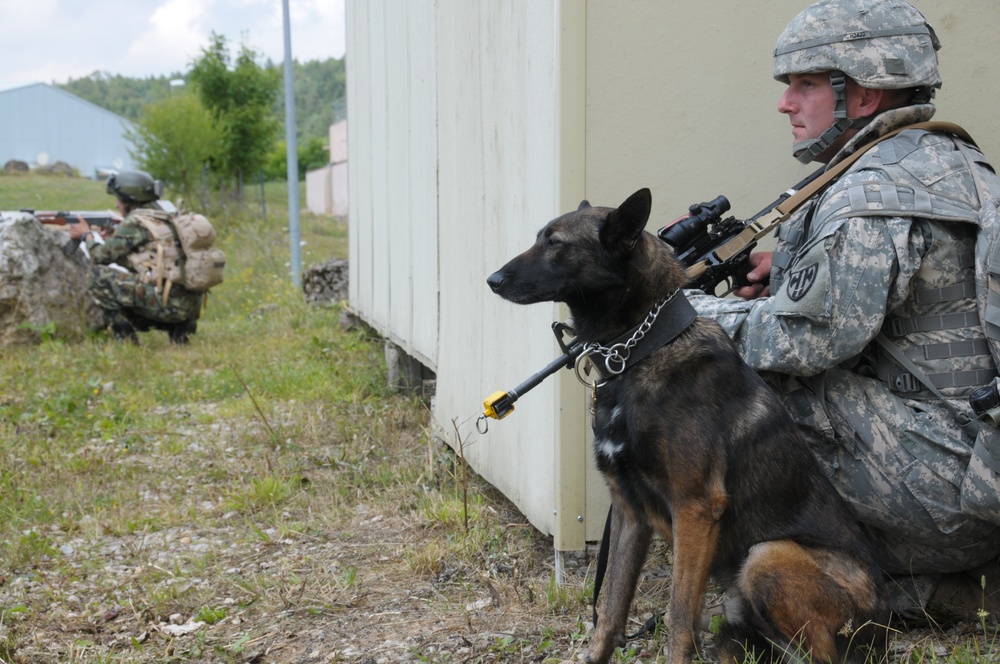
(41, 124)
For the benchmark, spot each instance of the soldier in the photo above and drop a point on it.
(885, 253)
(132, 303)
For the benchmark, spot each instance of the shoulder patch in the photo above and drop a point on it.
(801, 281)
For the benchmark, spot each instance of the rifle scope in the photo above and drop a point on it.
(684, 230)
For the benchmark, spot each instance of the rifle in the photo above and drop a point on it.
(716, 251)
(107, 220)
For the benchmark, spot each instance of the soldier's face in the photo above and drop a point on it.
(808, 102)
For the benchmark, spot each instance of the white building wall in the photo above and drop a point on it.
(393, 171)
(319, 195)
(498, 183)
(338, 171)
(452, 169)
(339, 190)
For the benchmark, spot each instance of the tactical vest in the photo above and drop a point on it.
(941, 328)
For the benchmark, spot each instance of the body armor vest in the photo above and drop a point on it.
(938, 327)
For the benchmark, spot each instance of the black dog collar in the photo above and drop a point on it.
(663, 324)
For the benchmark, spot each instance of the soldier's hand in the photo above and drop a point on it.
(79, 229)
(758, 277)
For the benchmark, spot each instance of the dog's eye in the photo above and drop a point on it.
(552, 242)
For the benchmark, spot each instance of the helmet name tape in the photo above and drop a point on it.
(852, 36)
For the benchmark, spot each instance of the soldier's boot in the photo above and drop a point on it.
(123, 331)
(180, 333)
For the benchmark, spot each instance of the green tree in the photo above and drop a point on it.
(312, 154)
(174, 139)
(320, 85)
(240, 97)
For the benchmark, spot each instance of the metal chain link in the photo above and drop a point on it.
(616, 356)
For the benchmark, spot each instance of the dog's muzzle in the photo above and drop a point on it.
(495, 281)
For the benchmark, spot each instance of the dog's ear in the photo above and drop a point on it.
(625, 224)
(584, 204)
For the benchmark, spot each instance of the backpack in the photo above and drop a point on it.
(181, 252)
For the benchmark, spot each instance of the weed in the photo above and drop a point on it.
(211, 615)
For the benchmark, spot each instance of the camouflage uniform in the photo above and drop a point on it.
(123, 294)
(888, 248)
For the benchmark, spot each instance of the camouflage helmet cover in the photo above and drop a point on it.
(134, 186)
(885, 44)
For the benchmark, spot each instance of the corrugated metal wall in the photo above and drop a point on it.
(40, 119)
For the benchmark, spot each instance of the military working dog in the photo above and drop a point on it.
(695, 446)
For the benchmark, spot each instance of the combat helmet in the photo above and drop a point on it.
(881, 44)
(134, 186)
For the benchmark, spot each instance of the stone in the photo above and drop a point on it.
(326, 283)
(43, 291)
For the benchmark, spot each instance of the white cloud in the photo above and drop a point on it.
(55, 40)
(174, 36)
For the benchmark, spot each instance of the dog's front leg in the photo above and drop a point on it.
(629, 543)
(695, 533)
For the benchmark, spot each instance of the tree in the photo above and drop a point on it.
(240, 97)
(174, 139)
(312, 154)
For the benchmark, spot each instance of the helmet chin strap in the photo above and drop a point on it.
(807, 150)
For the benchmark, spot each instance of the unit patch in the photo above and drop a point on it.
(800, 281)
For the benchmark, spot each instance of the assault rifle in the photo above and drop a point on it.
(716, 250)
(713, 249)
(107, 220)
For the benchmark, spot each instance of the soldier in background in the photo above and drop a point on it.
(131, 303)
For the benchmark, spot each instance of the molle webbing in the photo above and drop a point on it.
(890, 199)
(905, 382)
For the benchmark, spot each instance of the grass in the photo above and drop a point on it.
(263, 488)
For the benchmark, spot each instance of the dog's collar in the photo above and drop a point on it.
(663, 324)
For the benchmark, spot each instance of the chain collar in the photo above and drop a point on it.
(612, 360)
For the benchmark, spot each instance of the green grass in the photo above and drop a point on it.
(265, 481)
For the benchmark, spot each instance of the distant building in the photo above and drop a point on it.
(41, 124)
(326, 187)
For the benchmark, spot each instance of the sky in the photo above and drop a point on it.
(46, 41)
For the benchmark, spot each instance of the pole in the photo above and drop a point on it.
(292, 156)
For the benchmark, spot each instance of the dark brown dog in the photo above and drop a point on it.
(696, 447)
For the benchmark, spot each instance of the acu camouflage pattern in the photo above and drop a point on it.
(125, 294)
(925, 487)
(879, 43)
